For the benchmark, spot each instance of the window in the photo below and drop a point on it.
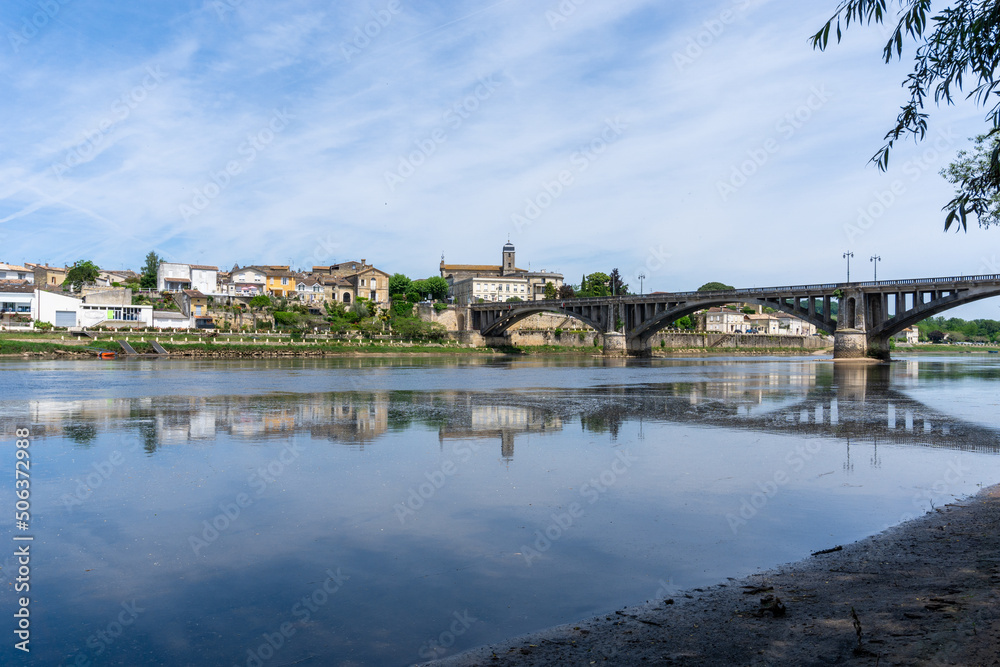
(362, 282)
(373, 284)
(284, 281)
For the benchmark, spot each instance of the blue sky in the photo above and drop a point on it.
(686, 141)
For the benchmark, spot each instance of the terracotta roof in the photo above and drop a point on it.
(194, 293)
(47, 268)
(19, 287)
(471, 267)
(13, 267)
(335, 280)
(204, 267)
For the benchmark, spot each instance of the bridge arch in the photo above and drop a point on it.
(523, 312)
(893, 326)
(644, 331)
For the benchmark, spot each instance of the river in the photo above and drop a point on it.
(384, 511)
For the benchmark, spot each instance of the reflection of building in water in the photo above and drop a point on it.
(499, 421)
(355, 419)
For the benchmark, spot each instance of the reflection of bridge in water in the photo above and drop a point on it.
(808, 399)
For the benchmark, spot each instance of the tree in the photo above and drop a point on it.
(399, 284)
(147, 279)
(967, 166)
(258, 303)
(684, 323)
(935, 336)
(715, 287)
(438, 287)
(956, 45)
(435, 287)
(83, 271)
(550, 290)
(617, 286)
(595, 284)
(566, 292)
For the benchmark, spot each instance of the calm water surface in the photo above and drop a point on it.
(387, 511)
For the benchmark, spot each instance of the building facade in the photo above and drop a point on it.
(472, 283)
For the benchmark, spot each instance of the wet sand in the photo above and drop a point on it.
(926, 592)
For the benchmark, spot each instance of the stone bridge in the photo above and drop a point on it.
(868, 313)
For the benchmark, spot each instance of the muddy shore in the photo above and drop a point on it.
(926, 592)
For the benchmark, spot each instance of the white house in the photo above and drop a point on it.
(792, 325)
(174, 277)
(16, 302)
(471, 290)
(726, 320)
(56, 309)
(14, 272)
(248, 281)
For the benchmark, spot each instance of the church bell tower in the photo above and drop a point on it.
(507, 268)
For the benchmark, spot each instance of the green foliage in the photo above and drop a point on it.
(416, 329)
(285, 319)
(260, 302)
(436, 287)
(399, 284)
(558, 332)
(616, 284)
(967, 167)
(715, 287)
(43, 326)
(514, 299)
(959, 329)
(83, 271)
(957, 47)
(748, 310)
(550, 290)
(401, 308)
(684, 323)
(440, 306)
(147, 277)
(595, 284)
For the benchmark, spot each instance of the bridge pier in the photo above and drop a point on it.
(856, 344)
(614, 344)
(850, 344)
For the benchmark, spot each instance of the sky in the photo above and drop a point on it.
(687, 142)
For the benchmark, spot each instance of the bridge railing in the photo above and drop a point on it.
(734, 293)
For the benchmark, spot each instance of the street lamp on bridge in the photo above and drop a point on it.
(847, 256)
(875, 259)
(641, 277)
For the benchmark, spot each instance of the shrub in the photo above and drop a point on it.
(44, 326)
(559, 332)
(440, 306)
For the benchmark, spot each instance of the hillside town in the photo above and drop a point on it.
(173, 296)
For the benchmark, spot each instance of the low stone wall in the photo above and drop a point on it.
(735, 341)
(670, 340)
